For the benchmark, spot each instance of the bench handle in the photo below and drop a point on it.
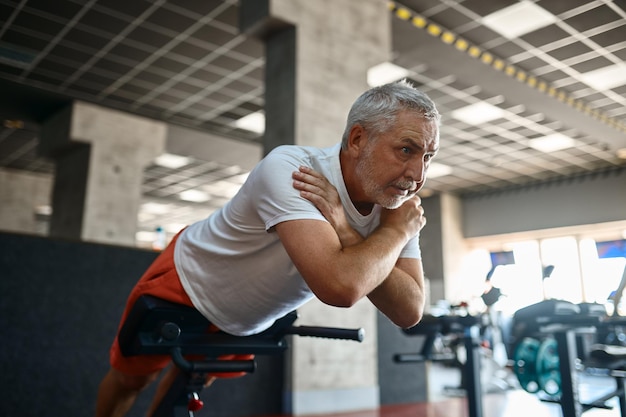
(210, 366)
(328, 332)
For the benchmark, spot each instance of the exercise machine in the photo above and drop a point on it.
(478, 336)
(554, 341)
(158, 327)
(465, 327)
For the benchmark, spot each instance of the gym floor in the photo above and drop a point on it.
(447, 402)
(513, 401)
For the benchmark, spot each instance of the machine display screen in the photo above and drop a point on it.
(502, 258)
(611, 249)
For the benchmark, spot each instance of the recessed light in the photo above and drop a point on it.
(171, 161)
(605, 78)
(222, 188)
(551, 143)
(438, 170)
(43, 210)
(253, 122)
(155, 208)
(518, 19)
(194, 196)
(385, 73)
(478, 113)
(145, 236)
(174, 228)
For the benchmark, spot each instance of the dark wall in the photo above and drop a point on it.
(60, 302)
(586, 199)
(431, 244)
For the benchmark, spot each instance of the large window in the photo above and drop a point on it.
(601, 276)
(565, 281)
(561, 267)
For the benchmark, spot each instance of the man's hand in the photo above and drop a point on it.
(314, 187)
(408, 218)
(366, 267)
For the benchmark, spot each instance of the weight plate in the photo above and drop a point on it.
(548, 374)
(524, 367)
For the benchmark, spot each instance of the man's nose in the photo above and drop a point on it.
(416, 170)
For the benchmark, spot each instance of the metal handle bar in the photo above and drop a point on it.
(327, 332)
(408, 357)
(211, 365)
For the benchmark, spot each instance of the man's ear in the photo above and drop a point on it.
(357, 139)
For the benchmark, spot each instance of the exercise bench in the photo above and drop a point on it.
(158, 327)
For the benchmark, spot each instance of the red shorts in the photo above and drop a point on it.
(160, 280)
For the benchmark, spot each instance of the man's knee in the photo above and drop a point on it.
(133, 382)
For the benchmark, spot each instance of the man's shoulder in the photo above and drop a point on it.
(299, 150)
(302, 155)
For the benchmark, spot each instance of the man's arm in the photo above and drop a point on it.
(401, 296)
(341, 267)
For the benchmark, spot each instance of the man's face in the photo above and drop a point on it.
(392, 167)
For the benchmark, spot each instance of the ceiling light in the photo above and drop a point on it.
(171, 161)
(222, 188)
(174, 228)
(621, 153)
(519, 19)
(145, 236)
(254, 122)
(155, 208)
(194, 196)
(385, 73)
(551, 143)
(43, 210)
(239, 179)
(478, 113)
(605, 78)
(438, 170)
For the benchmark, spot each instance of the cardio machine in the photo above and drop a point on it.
(555, 341)
(158, 327)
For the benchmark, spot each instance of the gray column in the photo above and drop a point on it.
(443, 246)
(23, 196)
(318, 54)
(100, 156)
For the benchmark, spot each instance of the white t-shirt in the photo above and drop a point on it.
(232, 264)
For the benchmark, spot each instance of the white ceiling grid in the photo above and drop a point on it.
(185, 62)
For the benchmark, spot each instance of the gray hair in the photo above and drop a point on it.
(376, 109)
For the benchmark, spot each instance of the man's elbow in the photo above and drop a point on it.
(409, 319)
(343, 296)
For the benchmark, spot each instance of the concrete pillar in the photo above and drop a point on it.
(100, 157)
(443, 235)
(455, 251)
(318, 53)
(25, 197)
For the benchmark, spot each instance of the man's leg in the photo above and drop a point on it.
(118, 392)
(164, 385)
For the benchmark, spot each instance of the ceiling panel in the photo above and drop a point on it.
(185, 62)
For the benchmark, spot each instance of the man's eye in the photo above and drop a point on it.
(406, 150)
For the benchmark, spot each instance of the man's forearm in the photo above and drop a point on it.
(348, 236)
(401, 297)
